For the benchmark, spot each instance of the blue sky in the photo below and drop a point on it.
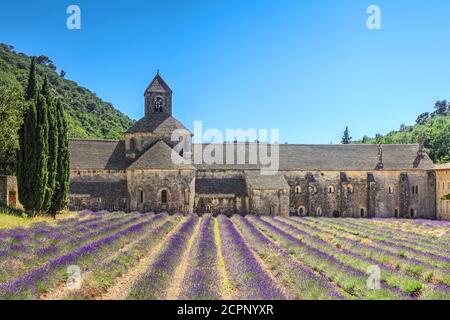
(307, 67)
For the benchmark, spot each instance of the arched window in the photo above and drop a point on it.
(362, 212)
(319, 211)
(141, 196)
(391, 189)
(301, 211)
(163, 196)
(330, 189)
(158, 104)
(298, 190)
(349, 189)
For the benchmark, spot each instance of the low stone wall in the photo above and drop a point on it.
(8, 191)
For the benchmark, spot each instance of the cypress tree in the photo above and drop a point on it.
(41, 149)
(26, 164)
(31, 92)
(52, 159)
(346, 139)
(63, 164)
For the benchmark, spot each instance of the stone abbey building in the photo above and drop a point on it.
(138, 173)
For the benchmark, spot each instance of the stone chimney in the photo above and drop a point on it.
(380, 164)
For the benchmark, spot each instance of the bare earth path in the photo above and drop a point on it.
(120, 289)
(264, 266)
(174, 289)
(61, 291)
(228, 292)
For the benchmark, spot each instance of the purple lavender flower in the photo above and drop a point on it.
(246, 273)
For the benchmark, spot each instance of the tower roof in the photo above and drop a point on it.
(158, 85)
(159, 156)
(157, 123)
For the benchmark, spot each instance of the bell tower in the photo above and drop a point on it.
(158, 98)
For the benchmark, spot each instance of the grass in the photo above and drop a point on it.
(13, 218)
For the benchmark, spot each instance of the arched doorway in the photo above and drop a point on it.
(12, 198)
(362, 212)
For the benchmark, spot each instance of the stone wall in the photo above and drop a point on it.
(220, 203)
(442, 190)
(146, 189)
(361, 194)
(98, 190)
(381, 193)
(269, 202)
(8, 191)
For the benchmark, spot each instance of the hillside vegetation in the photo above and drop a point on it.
(434, 126)
(87, 115)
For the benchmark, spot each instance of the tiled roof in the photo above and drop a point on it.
(159, 156)
(258, 181)
(96, 188)
(328, 157)
(97, 154)
(211, 186)
(110, 155)
(158, 85)
(157, 123)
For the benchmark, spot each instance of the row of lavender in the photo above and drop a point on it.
(31, 270)
(242, 257)
(281, 258)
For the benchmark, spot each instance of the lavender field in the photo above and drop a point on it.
(158, 256)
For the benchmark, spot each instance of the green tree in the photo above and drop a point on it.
(41, 149)
(26, 156)
(422, 118)
(59, 200)
(31, 92)
(346, 139)
(53, 133)
(440, 108)
(12, 106)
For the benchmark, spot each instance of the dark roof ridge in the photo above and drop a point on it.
(308, 145)
(95, 140)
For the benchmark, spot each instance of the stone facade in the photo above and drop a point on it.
(143, 173)
(8, 191)
(443, 191)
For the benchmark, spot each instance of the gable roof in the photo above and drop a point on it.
(110, 155)
(97, 154)
(158, 85)
(258, 181)
(157, 123)
(159, 156)
(326, 157)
